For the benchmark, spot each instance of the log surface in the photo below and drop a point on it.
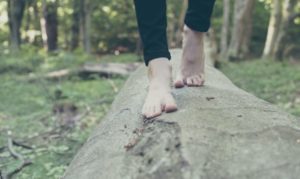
(219, 131)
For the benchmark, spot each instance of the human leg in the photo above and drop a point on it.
(197, 21)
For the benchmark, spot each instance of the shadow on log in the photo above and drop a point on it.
(220, 131)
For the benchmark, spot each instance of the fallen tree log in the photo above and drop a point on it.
(219, 131)
(100, 69)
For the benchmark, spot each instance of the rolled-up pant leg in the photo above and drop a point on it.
(152, 23)
(198, 14)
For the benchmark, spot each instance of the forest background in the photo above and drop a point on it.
(51, 99)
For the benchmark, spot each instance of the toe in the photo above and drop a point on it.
(156, 111)
(197, 81)
(189, 82)
(194, 81)
(152, 111)
(146, 111)
(179, 83)
(202, 79)
(170, 104)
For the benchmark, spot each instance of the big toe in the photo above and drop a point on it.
(179, 83)
(151, 110)
(170, 104)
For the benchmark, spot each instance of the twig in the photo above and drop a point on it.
(14, 154)
(11, 150)
(19, 144)
(113, 85)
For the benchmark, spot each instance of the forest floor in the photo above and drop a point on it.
(51, 119)
(274, 81)
(48, 121)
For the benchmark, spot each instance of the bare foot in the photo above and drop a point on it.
(159, 96)
(192, 62)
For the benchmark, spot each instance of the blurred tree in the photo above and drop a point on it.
(15, 11)
(225, 27)
(109, 26)
(178, 34)
(75, 30)
(242, 29)
(50, 23)
(273, 27)
(288, 13)
(85, 24)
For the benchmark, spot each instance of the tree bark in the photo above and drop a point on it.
(43, 26)
(36, 14)
(178, 34)
(242, 29)
(220, 131)
(51, 24)
(15, 11)
(85, 24)
(225, 27)
(75, 30)
(281, 40)
(274, 25)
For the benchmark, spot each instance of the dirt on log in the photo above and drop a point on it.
(219, 131)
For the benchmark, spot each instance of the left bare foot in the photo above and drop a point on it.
(159, 96)
(192, 62)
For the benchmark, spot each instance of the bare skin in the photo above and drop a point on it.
(159, 98)
(192, 62)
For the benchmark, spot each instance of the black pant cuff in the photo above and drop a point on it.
(153, 55)
(197, 25)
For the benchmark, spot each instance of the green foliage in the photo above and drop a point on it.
(27, 106)
(276, 82)
(114, 24)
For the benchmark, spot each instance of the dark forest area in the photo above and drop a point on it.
(240, 28)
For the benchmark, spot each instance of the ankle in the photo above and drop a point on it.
(159, 62)
(187, 31)
(159, 68)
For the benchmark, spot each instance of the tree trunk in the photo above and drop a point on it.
(15, 15)
(43, 26)
(178, 34)
(75, 30)
(51, 23)
(35, 21)
(171, 32)
(274, 25)
(36, 15)
(85, 24)
(242, 29)
(281, 40)
(225, 27)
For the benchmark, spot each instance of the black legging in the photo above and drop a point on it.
(152, 23)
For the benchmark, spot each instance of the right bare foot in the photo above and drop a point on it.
(192, 62)
(159, 96)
